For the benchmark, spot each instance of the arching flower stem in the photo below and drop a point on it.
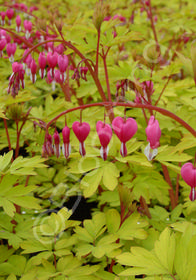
(130, 105)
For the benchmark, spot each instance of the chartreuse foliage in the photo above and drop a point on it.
(142, 223)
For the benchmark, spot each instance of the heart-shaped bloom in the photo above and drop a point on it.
(18, 23)
(66, 148)
(33, 68)
(104, 132)
(56, 146)
(63, 64)
(11, 49)
(125, 129)
(81, 130)
(153, 133)
(52, 60)
(42, 64)
(188, 173)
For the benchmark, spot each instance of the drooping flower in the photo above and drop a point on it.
(3, 14)
(10, 14)
(11, 49)
(56, 147)
(63, 64)
(33, 67)
(104, 132)
(3, 43)
(52, 61)
(28, 27)
(58, 77)
(18, 23)
(81, 130)
(66, 148)
(47, 148)
(83, 72)
(188, 173)
(153, 133)
(42, 64)
(125, 129)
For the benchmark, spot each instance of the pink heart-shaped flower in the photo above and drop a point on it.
(124, 129)
(81, 130)
(104, 132)
(153, 132)
(188, 172)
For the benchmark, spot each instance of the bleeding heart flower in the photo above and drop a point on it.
(104, 132)
(33, 67)
(42, 64)
(125, 129)
(188, 173)
(47, 149)
(18, 23)
(153, 133)
(56, 147)
(81, 130)
(66, 148)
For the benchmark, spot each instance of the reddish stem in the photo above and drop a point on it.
(167, 82)
(153, 28)
(130, 105)
(97, 52)
(7, 134)
(177, 185)
(171, 191)
(106, 76)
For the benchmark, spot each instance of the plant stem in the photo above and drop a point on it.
(167, 82)
(7, 134)
(106, 77)
(97, 52)
(171, 191)
(153, 28)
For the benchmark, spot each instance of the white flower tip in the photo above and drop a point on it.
(150, 153)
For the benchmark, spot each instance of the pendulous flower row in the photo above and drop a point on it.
(124, 128)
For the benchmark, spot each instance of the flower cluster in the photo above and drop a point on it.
(124, 128)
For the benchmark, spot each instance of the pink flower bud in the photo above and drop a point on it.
(28, 27)
(104, 132)
(10, 13)
(59, 49)
(57, 140)
(83, 72)
(188, 173)
(42, 64)
(124, 130)
(3, 43)
(58, 76)
(33, 68)
(3, 14)
(15, 67)
(66, 148)
(153, 133)
(11, 49)
(52, 59)
(18, 23)
(23, 7)
(47, 149)
(63, 63)
(81, 130)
